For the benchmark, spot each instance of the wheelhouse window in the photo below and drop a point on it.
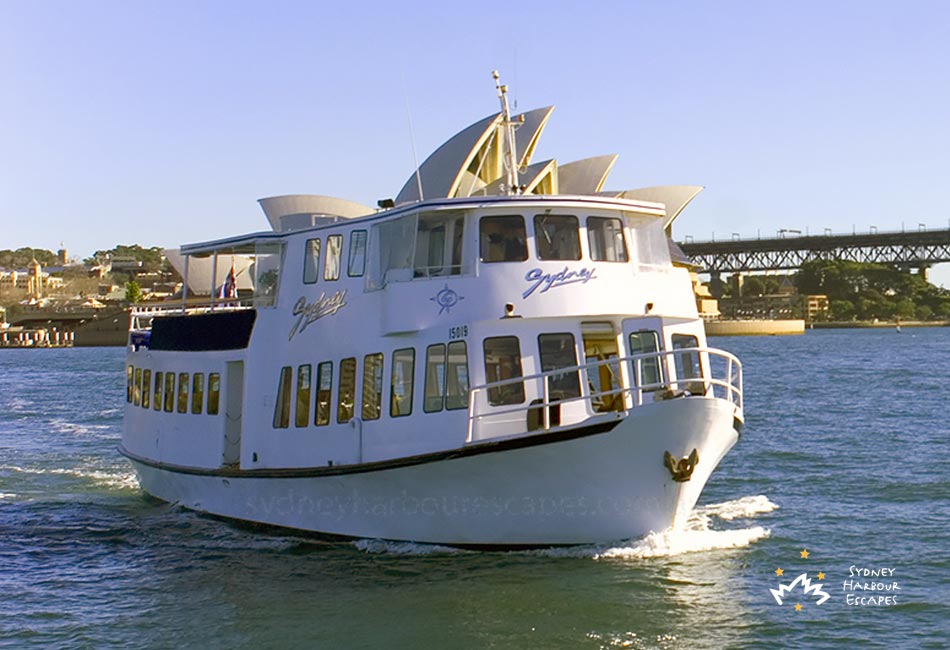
(282, 406)
(439, 238)
(331, 269)
(197, 392)
(347, 391)
(647, 372)
(311, 261)
(400, 398)
(502, 239)
(183, 392)
(606, 239)
(557, 237)
(146, 388)
(557, 351)
(688, 365)
(356, 263)
(157, 401)
(503, 361)
(169, 392)
(324, 388)
(302, 407)
(214, 392)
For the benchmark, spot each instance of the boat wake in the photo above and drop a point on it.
(112, 480)
(700, 533)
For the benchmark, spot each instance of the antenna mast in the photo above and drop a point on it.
(509, 130)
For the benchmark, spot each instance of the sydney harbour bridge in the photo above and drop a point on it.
(913, 249)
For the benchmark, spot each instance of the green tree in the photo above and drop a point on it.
(924, 312)
(133, 292)
(752, 285)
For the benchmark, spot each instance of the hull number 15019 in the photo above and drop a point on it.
(459, 332)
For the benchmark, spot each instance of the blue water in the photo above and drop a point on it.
(845, 454)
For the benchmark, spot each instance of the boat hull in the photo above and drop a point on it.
(598, 486)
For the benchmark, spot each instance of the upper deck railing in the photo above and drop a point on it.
(721, 378)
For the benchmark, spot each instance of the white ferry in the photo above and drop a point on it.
(504, 355)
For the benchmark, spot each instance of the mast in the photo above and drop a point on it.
(508, 129)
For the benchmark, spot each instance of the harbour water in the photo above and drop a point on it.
(845, 455)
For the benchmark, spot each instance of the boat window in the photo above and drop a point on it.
(137, 388)
(606, 239)
(197, 392)
(456, 389)
(653, 251)
(159, 379)
(687, 363)
(356, 263)
(311, 261)
(502, 239)
(347, 392)
(647, 372)
(183, 392)
(390, 257)
(438, 247)
(372, 386)
(169, 392)
(331, 269)
(146, 388)
(557, 351)
(129, 382)
(503, 361)
(435, 378)
(324, 388)
(400, 399)
(267, 262)
(214, 392)
(557, 237)
(302, 408)
(282, 406)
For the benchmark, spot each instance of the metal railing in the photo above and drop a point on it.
(721, 378)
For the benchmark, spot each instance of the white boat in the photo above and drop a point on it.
(504, 355)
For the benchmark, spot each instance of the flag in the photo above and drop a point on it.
(229, 288)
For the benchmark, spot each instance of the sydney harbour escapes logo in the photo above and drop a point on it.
(863, 587)
(803, 583)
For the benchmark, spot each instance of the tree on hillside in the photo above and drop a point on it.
(133, 292)
(752, 285)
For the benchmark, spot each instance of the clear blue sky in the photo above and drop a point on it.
(162, 122)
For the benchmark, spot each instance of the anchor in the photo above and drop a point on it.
(681, 470)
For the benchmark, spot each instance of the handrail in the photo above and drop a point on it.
(716, 382)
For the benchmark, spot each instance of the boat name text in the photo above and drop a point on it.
(552, 280)
(307, 313)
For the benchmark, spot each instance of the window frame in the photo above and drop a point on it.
(311, 262)
(623, 240)
(362, 246)
(341, 418)
(329, 395)
(214, 389)
(197, 393)
(374, 363)
(408, 395)
(495, 395)
(334, 252)
(302, 395)
(282, 403)
(538, 223)
(483, 244)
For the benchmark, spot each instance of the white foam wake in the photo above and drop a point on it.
(379, 546)
(698, 534)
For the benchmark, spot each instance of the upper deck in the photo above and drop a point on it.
(469, 259)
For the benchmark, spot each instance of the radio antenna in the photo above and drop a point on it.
(412, 137)
(508, 127)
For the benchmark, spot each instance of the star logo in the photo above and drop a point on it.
(446, 299)
(802, 582)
